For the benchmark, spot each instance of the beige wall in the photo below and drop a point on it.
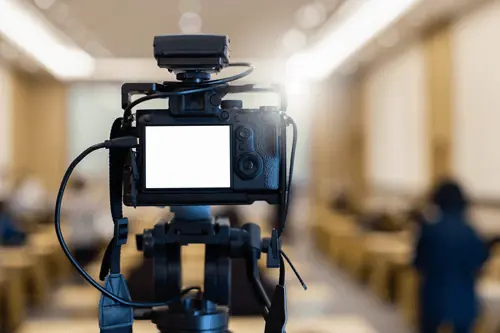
(476, 100)
(396, 123)
(330, 114)
(39, 128)
(5, 119)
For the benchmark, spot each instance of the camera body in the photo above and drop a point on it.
(202, 150)
(255, 147)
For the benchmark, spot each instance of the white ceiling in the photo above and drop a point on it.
(257, 28)
(125, 28)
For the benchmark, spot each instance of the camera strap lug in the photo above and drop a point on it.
(114, 317)
(272, 246)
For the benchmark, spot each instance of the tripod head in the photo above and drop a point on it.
(206, 311)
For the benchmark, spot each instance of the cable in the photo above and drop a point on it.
(219, 81)
(234, 77)
(283, 255)
(290, 121)
(124, 142)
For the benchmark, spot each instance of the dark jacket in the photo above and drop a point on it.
(449, 256)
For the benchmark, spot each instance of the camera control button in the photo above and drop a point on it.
(232, 104)
(224, 115)
(243, 133)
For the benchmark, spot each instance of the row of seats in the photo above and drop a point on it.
(27, 275)
(383, 261)
(32, 275)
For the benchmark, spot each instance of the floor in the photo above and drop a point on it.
(332, 303)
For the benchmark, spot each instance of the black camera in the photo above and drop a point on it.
(202, 149)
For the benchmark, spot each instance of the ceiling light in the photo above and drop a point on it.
(190, 23)
(294, 39)
(45, 4)
(189, 6)
(347, 36)
(33, 35)
(311, 16)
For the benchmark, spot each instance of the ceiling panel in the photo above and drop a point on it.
(126, 27)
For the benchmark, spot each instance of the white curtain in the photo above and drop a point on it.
(395, 101)
(476, 79)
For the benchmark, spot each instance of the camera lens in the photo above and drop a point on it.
(243, 133)
(249, 166)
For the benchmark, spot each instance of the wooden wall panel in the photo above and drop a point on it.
(440, 109)
(356, 142)
(39, 128)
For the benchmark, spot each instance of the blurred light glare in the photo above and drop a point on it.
(294, 40)
(33, 36)
(190, 23)
(297, 67)
(296, 90)
(45, 4)
(311, 16)
(348, 36)
(190, 6)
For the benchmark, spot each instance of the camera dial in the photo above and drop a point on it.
(249, 166)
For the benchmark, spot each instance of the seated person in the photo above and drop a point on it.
(343, 204)
(10, 233)
(379, 221)
(29, 201)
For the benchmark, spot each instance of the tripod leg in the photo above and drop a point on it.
(258, 288)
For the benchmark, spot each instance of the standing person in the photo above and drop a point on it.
(449, 257)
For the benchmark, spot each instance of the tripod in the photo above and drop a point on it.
(206, 311)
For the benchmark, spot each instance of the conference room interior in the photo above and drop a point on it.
(389, 98)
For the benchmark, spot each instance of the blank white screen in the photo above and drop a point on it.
(188, 157)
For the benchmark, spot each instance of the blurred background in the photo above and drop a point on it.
(389, 98)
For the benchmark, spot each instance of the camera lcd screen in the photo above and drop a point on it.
(178, 157)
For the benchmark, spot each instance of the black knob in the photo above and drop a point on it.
(215, 100)
(232, 104)
(148, 243)
(139, 242)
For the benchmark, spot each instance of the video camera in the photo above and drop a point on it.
(202, 150)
